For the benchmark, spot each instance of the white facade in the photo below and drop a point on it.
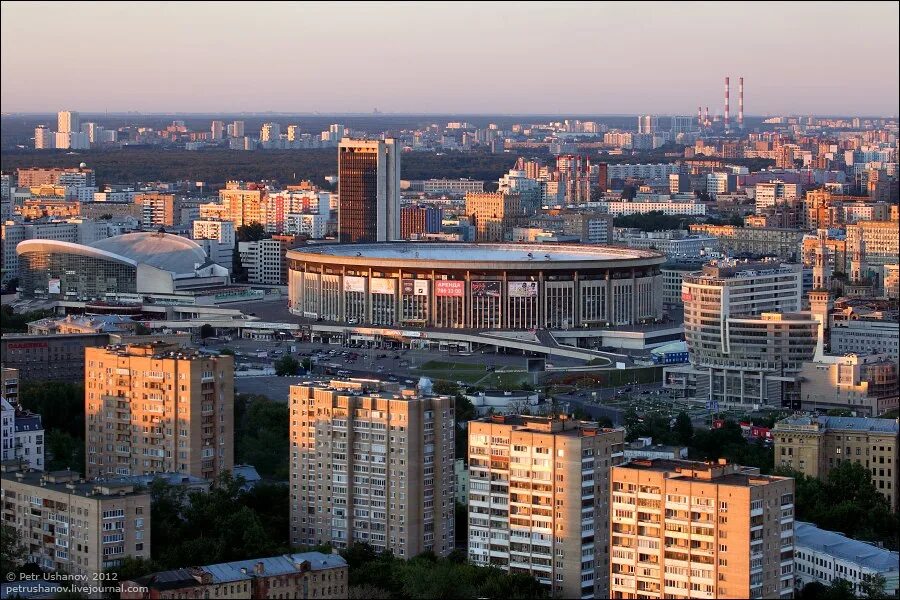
(863, 336)
(264, 261)
(667, 207)
(313, 226)
(823, 556)
(641, 171)
(22, 436)
(770, 193)
(210, 229)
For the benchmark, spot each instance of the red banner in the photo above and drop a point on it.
(446, 288)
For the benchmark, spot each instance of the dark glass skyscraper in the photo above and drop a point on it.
(368, 190)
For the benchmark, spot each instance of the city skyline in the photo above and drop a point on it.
(505, 70)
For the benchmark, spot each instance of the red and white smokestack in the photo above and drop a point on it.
(727, 93)
(741, 103)
(699, 116)
(707, 116)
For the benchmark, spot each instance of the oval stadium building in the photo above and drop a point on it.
(475, 286)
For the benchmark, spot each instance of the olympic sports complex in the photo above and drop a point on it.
(454, 286)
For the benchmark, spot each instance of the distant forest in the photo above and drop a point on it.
(215, 166)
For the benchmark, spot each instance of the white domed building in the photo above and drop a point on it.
(134, 263)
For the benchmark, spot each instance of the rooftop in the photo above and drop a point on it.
(549, 425)
(162, 250)
(69, 482)
(242, 570)
(487, 253)
(860, 424)
(720, 472)
(836, 544)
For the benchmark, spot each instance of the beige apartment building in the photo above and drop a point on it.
(157, 407)
(539, 500)
(70, 526)
(242, 203)
(492, 214)
(816, 445)
(372, 463)
(683, 529)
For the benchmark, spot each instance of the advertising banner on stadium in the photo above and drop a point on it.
(415, 287)
(354, 284)
(382, 285)
(53, 286)
(486, 289)
(444, 288)
(522, 289)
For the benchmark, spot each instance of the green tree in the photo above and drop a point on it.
(60, 404)
(226, 351)
(873, 587)
(12, 550)
(287, 366)
(261, 435)
(684, 429)
(445, 388)
(63, 451)
(252, 232)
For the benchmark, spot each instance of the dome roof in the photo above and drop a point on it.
(161, 250)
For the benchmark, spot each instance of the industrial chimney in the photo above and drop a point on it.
(727, 93)
(741, 103)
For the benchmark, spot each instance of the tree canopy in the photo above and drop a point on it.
(847, 501)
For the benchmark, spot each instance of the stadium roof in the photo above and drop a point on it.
(845, 423)
(161, 250)
(488, 253)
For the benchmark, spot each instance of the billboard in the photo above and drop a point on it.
(415, 287)
(522, 289)
(445, 288)
(354, 284)
(53, 286)
(382, 285)
(485, 289)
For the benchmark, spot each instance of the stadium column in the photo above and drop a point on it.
(634, 311)
(576, 301)
(609, 298)
(432, 301)
(542, 298)
(467, 296)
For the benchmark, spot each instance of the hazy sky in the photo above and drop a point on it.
(530, 57)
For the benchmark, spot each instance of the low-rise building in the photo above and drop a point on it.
(305, 576)
(822, 556)
(865, 336)
(22, 436)
(863, 383)
(815, 445)
(72, 526)
(52, 357)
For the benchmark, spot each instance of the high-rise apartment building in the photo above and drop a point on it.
(74, 527)
(293, 133)
(493, 214)
(682, 529)
(374, 466)
(269, 132)
(242, 203)
(44, 139)
(539, 500)
(816, 445)
(237, 129)
(68, 121)
(746, 339)
(217, 130)
(158, 210)
(369, 190)
(156, 407)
